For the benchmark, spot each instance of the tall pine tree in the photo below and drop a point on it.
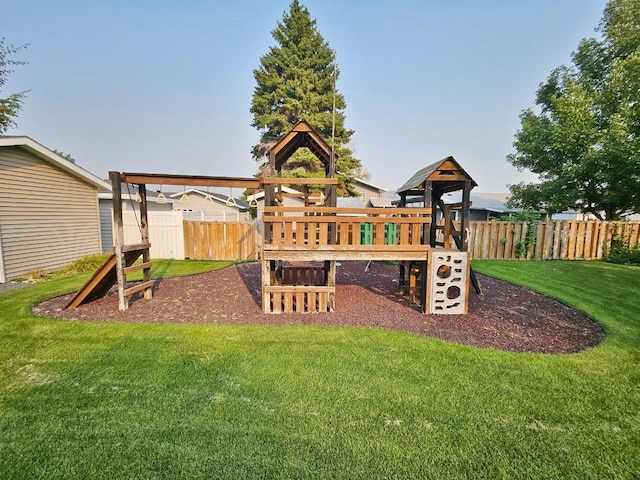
(295, 81)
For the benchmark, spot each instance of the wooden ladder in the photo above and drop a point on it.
(125, 264)
(114, 269)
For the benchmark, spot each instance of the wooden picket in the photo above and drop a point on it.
(221, 240)
(549, 240)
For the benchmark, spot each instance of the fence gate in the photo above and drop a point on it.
(165, 233)
(221, 240)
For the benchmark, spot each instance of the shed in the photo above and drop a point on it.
(48, 209)
(130, 204)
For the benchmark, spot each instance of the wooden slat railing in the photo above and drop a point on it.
(326, 228)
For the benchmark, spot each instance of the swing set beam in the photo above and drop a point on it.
(192, 180)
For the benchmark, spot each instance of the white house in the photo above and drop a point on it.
(370, 194)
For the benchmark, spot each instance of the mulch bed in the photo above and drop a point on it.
(505, 316)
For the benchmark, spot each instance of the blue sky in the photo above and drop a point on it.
(165, 86)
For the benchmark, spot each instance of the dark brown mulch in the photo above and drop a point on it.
(505, 316)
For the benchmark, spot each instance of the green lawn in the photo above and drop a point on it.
(101, 400)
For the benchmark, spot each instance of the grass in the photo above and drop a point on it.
(105, 400)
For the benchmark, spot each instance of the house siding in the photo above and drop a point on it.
(48, 218)
(365, 192)
(106, 226)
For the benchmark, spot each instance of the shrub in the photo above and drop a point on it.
(623, 253)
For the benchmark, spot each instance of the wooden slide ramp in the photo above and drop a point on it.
(104, 278)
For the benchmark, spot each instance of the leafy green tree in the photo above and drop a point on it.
(584, 143)
(9, 106)
(295, 81)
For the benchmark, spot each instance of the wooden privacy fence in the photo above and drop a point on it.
(221, 240)
(547, 240)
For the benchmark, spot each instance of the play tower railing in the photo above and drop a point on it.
(327, 234)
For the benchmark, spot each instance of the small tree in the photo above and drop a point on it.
(584, 144)
(9, 106)
(295, 81)
(66, 156)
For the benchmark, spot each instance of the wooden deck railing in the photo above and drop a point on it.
(325, 233)
(325, 228)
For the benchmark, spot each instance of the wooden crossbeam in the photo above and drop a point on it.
(368, 252)
(138, 288)
(135, 268)
(298, 181)
(352, 220)
(136, 247)
(349, 211)
(192, 180)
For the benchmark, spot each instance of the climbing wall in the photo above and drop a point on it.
(449, 281)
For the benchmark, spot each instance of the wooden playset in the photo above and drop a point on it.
(301, 245)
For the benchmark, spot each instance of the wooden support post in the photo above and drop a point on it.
(116, 192)
(269, 201)
(331, 282)
(332, 201)
(464, 215)
(144, 231)
(427, 307)
(266, 282)
(427, 203)
(423, 286)
(435, 197)
(402, 278)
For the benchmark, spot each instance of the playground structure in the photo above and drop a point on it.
(301, 245)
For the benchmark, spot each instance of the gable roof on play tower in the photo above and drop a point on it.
(447, 176)
(301, 135)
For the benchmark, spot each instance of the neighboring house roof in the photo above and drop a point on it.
(151, 197)
(49, 156)
(349, 202)
(381, 202)
(223, 199)
(370, 185)
(259, 195)
(492, 202)
(129, 191)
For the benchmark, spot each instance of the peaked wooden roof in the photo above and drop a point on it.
(301, 135)
(447, 176)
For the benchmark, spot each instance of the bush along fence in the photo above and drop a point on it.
(550, 240)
